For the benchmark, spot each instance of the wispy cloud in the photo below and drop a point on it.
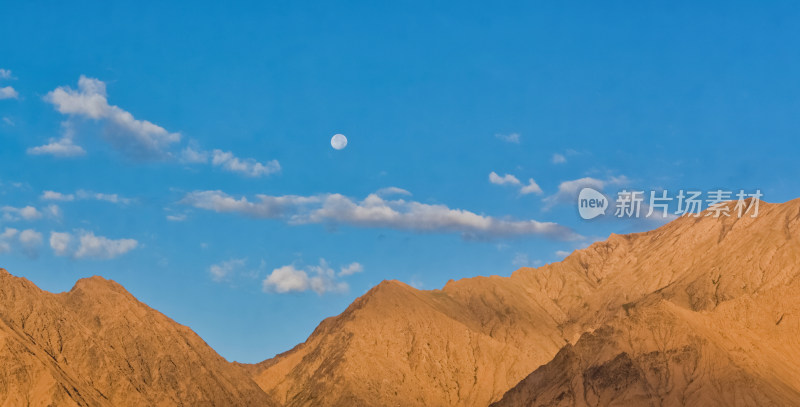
(27, 241)
(389, 191)
(509, 179)
(11, 213)
(60, 147)
(86, 245)
(375, 212)
(513, 138)
(133, 137)
(84, 195)
(531, 188)
(177, 217)
(561, 158)
(249, 167)
(351, 269)
(57, 196)
(5, 74)
(223, 270)
(6, 238)
(562, 253)
(98, 196)
(30, 241)
(523, 260)
(191, 154)
(227, 161)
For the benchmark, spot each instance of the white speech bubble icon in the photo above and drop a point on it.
(591, 203)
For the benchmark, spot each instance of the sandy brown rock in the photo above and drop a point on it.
(96, 345)
(472, 341)
(659, 354)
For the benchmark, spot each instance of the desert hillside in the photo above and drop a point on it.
(96, 345)
(710, 296)
(701, 311)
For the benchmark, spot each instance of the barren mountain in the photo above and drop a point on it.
(96, 345)
(699, 310)
(702, 311)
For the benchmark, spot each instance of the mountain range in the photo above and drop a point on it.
(702, 311)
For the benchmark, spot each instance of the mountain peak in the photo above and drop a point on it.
(97, 345)
(97, 284)
(473, 340)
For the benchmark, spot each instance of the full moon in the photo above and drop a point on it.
(338, 141)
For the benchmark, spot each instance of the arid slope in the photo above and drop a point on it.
(472, 341)
(96, 345)
(701, 311)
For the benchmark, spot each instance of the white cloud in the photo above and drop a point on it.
(507, 179)
(6, 239)
(568, 190)
(60, 147)
(531, 188)
(5, 73)
(9, 233)
(375, 212)
(266, 207)
(83, 195)
(54, 211)
(60, 243)
(226, 160)
(133, 137)
(8, 92)
(559, 159)
(138, 138)
(11, 213)
(350, 269)
(192, 155)
(100, 247)
(57, 196)
(389, 191)
(30, 240)
(89, 246)
(249, 167)
(562, 253)
(286, 279)
(177, 218)
(222, 271)
(320, 279)
(113, 198)
(509, 138)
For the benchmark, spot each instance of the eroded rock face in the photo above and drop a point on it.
(96, 345)
(581, 326)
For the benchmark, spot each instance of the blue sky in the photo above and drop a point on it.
(183, 149)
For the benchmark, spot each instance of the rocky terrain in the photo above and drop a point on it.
(701, 311)
(96, 345)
